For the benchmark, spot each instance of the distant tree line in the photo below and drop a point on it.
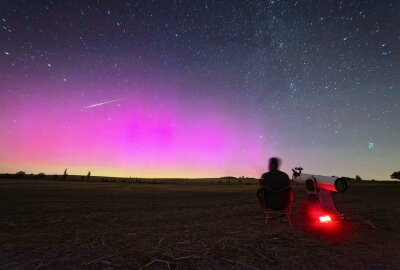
(22, 174)
(395, 175)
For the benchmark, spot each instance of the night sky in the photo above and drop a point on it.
(200, 88)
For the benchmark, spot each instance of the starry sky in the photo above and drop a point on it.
(200, 88)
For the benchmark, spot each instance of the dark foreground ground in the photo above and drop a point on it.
(85, 225)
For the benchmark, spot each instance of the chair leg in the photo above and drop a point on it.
(290, 221)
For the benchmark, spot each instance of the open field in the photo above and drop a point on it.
(96, 225)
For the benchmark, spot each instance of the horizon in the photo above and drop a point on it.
(50, 174)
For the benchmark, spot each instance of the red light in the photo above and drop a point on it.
(325, 219)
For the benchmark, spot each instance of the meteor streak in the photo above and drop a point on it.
(102, 103)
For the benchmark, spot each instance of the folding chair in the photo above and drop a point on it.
(278, 202)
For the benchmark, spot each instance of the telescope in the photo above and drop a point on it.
(319, 189)
(330, 183)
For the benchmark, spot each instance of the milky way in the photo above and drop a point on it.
(200, 88)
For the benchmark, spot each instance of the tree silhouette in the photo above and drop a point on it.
(20, 174)
(65, 174)
(395, 175)
(358, 178)
(88, 176)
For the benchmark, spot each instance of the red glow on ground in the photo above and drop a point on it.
(337, 229)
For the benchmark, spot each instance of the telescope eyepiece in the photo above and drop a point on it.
(298, 170)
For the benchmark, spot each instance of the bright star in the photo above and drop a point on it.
(371, 146)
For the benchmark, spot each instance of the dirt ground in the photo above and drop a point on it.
(48, 224)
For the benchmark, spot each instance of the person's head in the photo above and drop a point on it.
(274, 164)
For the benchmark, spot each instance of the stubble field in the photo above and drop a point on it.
(47, 224)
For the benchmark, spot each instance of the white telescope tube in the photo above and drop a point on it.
(334, 184)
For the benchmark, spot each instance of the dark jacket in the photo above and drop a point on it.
(275, 180)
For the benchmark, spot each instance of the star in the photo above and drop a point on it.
(371, 146)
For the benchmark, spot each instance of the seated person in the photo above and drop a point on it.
(273, 181)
